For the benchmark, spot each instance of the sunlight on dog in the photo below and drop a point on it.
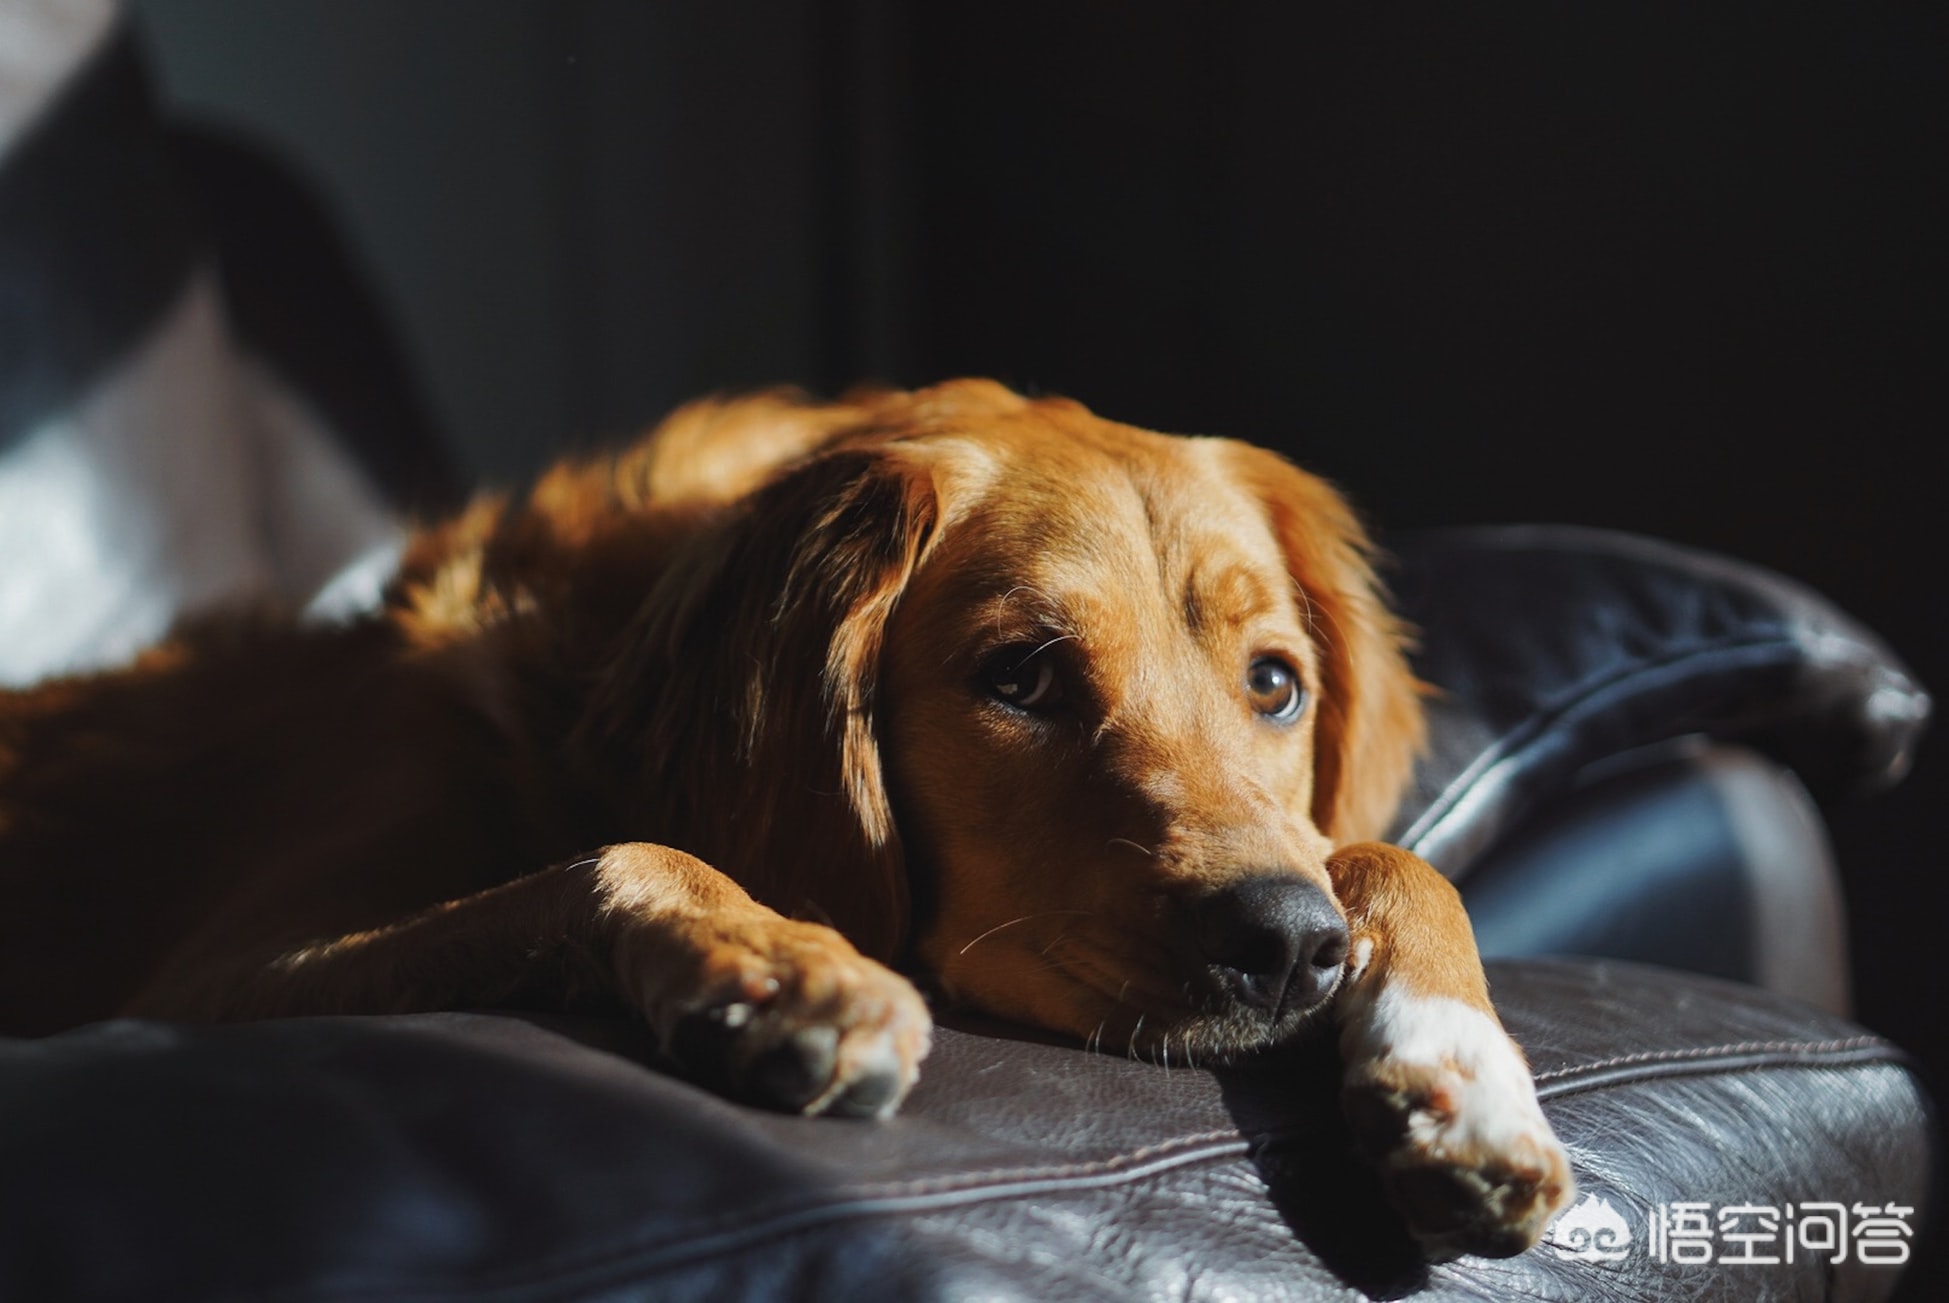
(1080, 725)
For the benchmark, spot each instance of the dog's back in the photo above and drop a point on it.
(181, 803)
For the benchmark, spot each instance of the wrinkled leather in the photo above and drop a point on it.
(1555, 647)
(485, 1156)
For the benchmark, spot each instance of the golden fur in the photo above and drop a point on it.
(709, 724)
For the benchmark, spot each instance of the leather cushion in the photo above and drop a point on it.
(486, 1156)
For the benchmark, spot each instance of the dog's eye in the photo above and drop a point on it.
(1024, 680)
(1273, 688)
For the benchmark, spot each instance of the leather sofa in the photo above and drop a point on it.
(1631, 749)
(1596, 690)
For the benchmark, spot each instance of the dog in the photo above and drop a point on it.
(1085, 727)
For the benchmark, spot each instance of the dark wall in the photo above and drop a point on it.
(1663, 272)
(580, 212)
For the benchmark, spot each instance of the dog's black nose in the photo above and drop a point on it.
(1276, 942)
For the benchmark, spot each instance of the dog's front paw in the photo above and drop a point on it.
(1441, 1100)
(787, 1015)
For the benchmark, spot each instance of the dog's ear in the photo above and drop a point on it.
(1370, 725)
(714, 451)
(743, 701)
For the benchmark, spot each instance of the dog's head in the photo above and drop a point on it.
(1109, 696)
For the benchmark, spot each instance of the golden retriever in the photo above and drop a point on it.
(1083, 725)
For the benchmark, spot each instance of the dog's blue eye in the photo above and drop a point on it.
(1024, 680)
(1272, 686)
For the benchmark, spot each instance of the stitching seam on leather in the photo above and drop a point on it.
(1138, 1161)
(748, 1227)
(1143, 1161)
(732, 1231)
(1709, 1051)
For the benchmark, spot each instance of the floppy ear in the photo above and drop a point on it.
(716, 450)
(743, 701)
(1370, 726)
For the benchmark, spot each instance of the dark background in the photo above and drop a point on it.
(1674, 269)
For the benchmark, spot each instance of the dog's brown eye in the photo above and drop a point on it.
(1024, 680)
(1273, 687)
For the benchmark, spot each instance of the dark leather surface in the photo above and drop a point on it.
(482, 1156)
(1644, 866)
(1556, 647)
(1708, 858)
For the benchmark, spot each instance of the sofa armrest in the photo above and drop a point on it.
(1553, 648)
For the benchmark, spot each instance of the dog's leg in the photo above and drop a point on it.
(1435, 1089)
(768, 1009)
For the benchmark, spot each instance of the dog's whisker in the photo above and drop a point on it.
(1055, 966)
(1067, 637)
(1047, 913)
(1054, 941)
(1315, 615)
(1001, 607)
(1141, 849)
(1132, 1054)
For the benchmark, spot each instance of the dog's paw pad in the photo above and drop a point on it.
(1450, 1117)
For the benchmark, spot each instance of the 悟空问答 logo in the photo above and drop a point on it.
(1590, 1231)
